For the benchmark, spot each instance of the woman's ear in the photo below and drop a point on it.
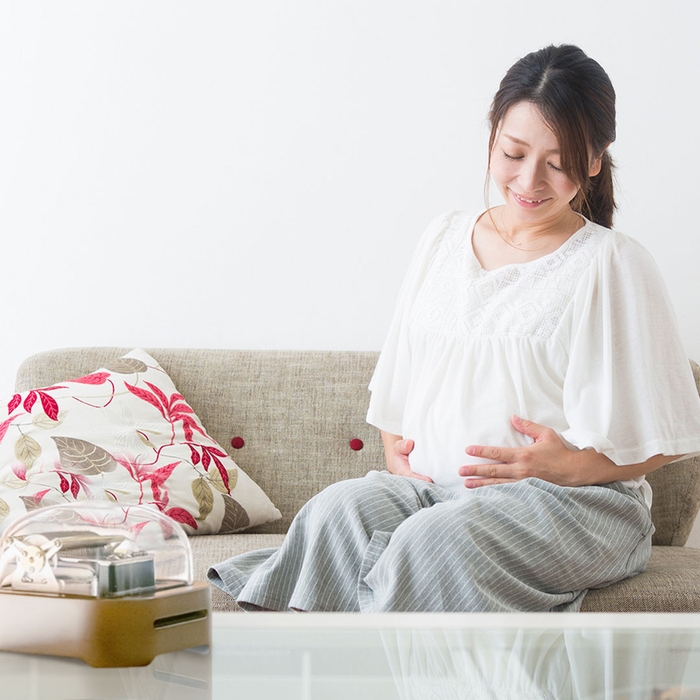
(597, 163)
(596, 166)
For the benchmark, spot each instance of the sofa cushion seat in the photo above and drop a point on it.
(669, 584)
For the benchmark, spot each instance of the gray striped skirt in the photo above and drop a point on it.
(388, 543)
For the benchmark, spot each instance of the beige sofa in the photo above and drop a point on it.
(299, 411)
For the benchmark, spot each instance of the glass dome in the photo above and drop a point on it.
(96, 550)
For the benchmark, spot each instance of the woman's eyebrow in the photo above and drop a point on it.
(525, 143)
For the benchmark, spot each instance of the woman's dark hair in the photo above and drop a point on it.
(577, 100)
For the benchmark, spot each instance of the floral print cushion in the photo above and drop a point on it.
(122, 434)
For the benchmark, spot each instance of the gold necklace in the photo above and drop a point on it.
(518, 246)
(507, 239)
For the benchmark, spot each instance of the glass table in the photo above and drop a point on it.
(586, 656)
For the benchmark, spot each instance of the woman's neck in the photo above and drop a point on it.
(497, 244)
(529, 234)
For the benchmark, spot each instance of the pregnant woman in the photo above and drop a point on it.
(532, 375)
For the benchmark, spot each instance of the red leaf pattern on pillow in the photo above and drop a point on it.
(158, 479)
(159, 394)
(189, 434)
(182, 516)
(160, 475)
(143, 473)
(49, 404)
(189, 425)
(223, 473)
(20, 471)
(4, 426)
(135, 529)
(15, 401)
(30, 401)
(208, 455)
(93, 379)
(74, 485)
(169, 408)
(145, 396)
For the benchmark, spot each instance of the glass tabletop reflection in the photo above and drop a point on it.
(587, 656)
(406, 657)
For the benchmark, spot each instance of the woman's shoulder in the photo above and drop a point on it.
(619, 243)
(447, 226)
(454, 219)
(618, 251)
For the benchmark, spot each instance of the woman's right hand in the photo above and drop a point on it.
(396, 450)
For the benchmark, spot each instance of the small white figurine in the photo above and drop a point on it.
(33, 564)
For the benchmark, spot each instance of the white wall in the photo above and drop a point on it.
(256, 174)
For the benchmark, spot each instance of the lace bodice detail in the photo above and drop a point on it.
(520, 300)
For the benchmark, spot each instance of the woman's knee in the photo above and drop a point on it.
(427, 528)
(375, 501)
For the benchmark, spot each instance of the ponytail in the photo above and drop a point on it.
(596, 201)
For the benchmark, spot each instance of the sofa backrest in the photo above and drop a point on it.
(676, 490)
(298, 411)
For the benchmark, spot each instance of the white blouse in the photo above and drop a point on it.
(583, 340)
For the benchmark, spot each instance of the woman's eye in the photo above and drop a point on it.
(509, 156)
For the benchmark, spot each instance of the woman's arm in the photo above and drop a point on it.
(396, 451)
(548, 458)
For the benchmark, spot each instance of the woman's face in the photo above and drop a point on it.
(526, 167)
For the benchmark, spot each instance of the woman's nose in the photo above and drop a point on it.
(531, 175)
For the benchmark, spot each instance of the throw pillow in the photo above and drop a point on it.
(122, 434)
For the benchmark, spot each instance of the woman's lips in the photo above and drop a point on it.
(528, 202)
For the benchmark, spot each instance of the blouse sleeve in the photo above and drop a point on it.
(389, 384)
(629, 390)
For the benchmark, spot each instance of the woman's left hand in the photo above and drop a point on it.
(547, 458)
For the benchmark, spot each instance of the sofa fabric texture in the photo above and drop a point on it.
(297, 412)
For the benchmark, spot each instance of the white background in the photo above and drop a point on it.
(256, 174)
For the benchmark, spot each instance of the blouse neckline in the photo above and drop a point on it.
(557, 251)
